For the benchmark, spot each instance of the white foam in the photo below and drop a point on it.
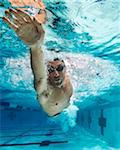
(67, 119)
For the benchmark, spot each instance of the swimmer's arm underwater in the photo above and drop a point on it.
(31, 32)
(39, 68)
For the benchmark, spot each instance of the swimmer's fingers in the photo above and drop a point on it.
(12, 25)
(17, 15)
(14, 20)
(8, 15)
(24, 15)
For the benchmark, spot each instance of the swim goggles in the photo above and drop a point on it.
(59, 68)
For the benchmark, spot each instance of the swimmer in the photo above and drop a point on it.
(52, 84)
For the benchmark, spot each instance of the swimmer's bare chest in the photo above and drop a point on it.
(54, 100)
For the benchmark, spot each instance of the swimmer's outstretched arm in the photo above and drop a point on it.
(39, 68)
(31, 33)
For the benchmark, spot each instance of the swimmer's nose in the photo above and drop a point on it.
(56, 75)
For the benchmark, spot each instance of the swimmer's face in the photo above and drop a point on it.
(56, 72)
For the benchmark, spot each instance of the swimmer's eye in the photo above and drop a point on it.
(60, 68)
(50, 69)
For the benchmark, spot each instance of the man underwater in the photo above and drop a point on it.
(51, 82)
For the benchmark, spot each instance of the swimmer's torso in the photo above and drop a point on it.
(54, 100)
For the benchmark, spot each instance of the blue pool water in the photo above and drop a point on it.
(86, 34)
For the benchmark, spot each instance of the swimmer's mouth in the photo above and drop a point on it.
(58, 81)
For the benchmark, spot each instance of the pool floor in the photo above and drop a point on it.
(50, 139)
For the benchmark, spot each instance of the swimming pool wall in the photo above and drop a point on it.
(102, 121)
(15, 116)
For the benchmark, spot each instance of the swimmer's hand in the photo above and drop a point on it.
(26, 27)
